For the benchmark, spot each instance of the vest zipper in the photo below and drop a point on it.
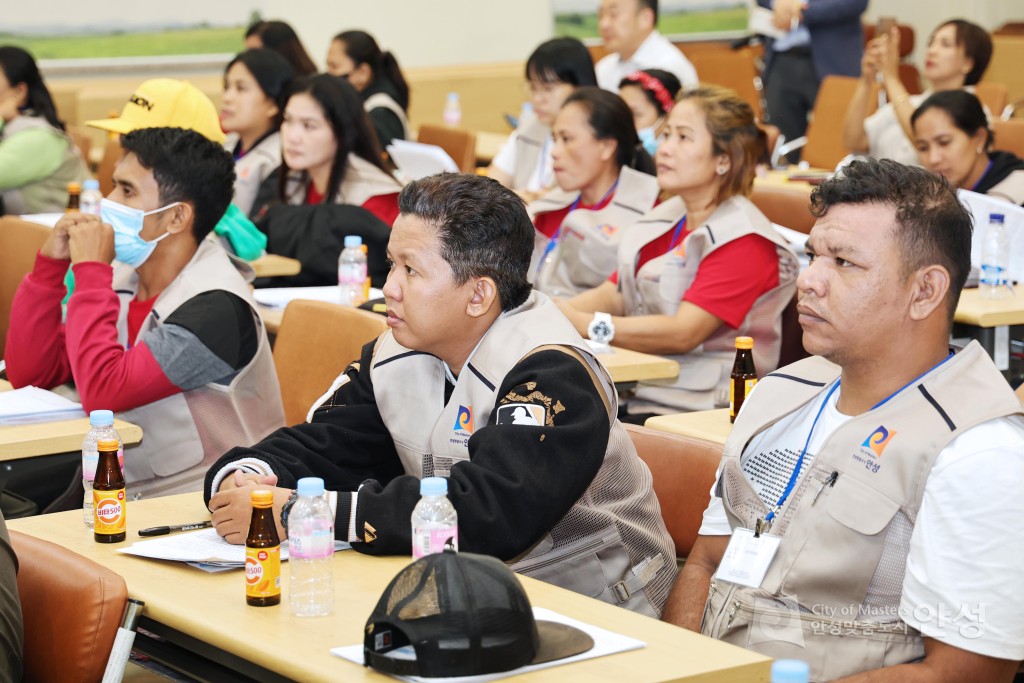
(550, 557)
(712, 589)
(732, 613)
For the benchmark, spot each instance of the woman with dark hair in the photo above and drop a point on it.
(255, 84)
(37, 157)
(650, 94)
(332, 182)
(556, 68)
(702, 267)
(356, 56)
(953, 139)
(281, 38)
(605, 182)
(958, 54)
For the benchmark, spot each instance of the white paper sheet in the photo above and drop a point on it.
(279, 297)
(981, 206)
(605, 643)
(32, 404)
(47, 219)
(416, 160)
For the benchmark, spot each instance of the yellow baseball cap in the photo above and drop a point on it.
(166, 103)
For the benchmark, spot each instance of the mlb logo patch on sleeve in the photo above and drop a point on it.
(521, 414)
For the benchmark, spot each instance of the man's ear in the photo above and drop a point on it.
(484, 298)
(930, 287)
(181, 218)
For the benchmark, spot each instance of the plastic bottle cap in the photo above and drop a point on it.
(91, 184)
(453, 96)
(353, 241)
(744, 342)
(996, 218)
(790, 671)
(433, 486)
(262, 497)
(74, 187)
(107, 445)
(101, 418)
(310, 486)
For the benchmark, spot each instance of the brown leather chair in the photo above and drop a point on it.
(315, 343)
(460, 144)
(105, 171)
(72, 608)
(733, 69)
(1009, 136)
(19, 242)
(992, 95)
(786, 206)
(792, 336)
(684, 470)
(825, 131)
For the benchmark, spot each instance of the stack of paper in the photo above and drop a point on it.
(279, 297)
(416, 160)
(32, 404)
(980, 206)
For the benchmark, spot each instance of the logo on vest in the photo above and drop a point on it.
(607, 231)
(521, 414)
(873, 447)
(463, 428)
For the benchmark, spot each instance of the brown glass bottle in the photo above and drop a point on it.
(262, 553)
(110, 514)
(743, 377)
(74, 198)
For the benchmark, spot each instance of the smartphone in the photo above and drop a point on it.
(885, 25)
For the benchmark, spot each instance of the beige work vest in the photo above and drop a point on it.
(587, 243)
(184, 434)
(362, 180)
(658, 288)
(384, 101)
(49, 194)
(612, 544)
(832, 593)
(530, 137)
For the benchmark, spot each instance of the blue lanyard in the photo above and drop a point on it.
(553, 242)
(974, 188)
(800, 461)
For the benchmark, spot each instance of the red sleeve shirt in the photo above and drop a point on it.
(384, 207)
(548, 222)
(729, 280)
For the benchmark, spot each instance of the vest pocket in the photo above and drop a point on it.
(576, 566)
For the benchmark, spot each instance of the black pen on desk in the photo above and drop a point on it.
(164, 530)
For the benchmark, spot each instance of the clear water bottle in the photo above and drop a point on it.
(91, 196)
(790, 671)
(434, 522)
(452, 110)
(310, 549)
(101, 424)
(352, 272)
(995, 258)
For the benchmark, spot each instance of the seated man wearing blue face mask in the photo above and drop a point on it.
(167, 336)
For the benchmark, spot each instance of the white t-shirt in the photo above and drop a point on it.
(886, 138)
(962, 582)
(656, 52)
(543, 175)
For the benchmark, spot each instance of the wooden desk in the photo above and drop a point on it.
(488, 145)
(632, 366)
(273, 265)
(779, 177)
(210, 611)
(989, 320)
(50, 438)
(710, 425)
(271, 317)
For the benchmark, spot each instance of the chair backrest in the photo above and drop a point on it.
(731, 68)
(460, 144)
(315, 343)
(792, 336)
(72, 608)
(683, 469)
(992, 95)
(1009, 136)
(83, 142)
(105, 171)
(787, 206)
(825, 131)
(19, 242)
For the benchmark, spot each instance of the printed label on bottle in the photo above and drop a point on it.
(748, 386)
(314, 545)
(428, 541)
(262, 572)
(993, 275)
(109, 512)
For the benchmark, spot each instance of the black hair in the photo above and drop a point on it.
(668, 80)
(977, 44)
(19, 67)
(361, 48)
(932, 227)
(352, 130)
(610, 119)
(963, 108)
(187, 167)
(483, 228)
(561, 60)
(272, 73)
(651, 5)
(281, 38)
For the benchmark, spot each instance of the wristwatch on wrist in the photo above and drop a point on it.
(286, 508)
(601, 330)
